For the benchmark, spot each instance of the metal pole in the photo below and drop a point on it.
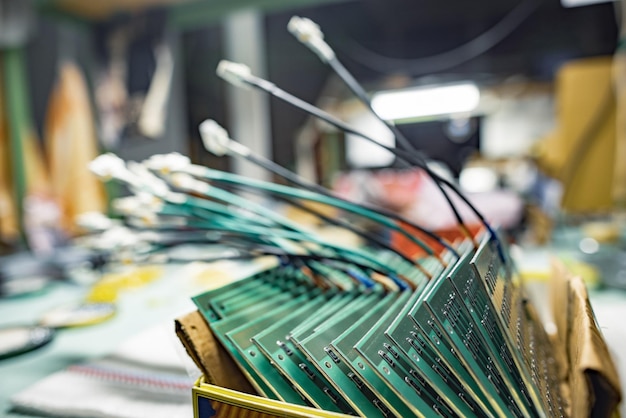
(248, 110)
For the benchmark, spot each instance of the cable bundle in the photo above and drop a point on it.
(361, 330)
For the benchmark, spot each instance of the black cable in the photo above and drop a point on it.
(245, 252)
(449, 59)
(371, 238)
(277, 251)
(497, 33)
(415, 157)
(295, 179)
(347, 256)
(305, 259)
(360, 92)
(252, 253)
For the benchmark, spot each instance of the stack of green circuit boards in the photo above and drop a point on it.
(465, 343)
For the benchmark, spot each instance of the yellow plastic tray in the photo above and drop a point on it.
(213, 401)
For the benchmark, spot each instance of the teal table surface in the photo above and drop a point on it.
(169, 297)
(157, 302)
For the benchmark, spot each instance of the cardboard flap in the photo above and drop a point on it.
(594, 383)
(215, 363)
(560, 303)
(590, 382)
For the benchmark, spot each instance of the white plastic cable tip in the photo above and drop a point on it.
(304, 29)
(214, 137)
(309, 33)
(94, 221)
(167, 163)
(186, 182)
(233, 72)
(117, 237)
(176, 198)
(139, 203)
(107, 166)
(145, 180)
(149, 201)
(126, 205)
(145, 218)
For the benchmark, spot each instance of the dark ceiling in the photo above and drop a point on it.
(543, 34)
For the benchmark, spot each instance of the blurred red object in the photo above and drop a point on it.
(417, 198)
(414, 251)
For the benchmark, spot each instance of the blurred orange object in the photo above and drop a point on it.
(583, 152)
(35, 173)
(9, 229)
(71, 143)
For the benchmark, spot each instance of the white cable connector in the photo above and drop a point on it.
(309, 33)
(144, 219)
(196, 170)
(126, 206)
(216, 140)
(176, 198)
(146, 181)
(116, 238)
(167, 163)
(214, 137)
(131, 205)
(95, 221)
(233, 72)
(107, 166)
(186, 182)
(150, 202)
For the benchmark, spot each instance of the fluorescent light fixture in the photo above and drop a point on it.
(426, 101)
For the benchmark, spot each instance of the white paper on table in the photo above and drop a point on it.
(144, 377)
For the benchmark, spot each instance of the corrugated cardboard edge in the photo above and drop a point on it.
(594, 387)
(211, 358)
(559, 302)
(592, 369)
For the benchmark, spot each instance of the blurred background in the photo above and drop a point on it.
(520, 102)
(137, 77)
